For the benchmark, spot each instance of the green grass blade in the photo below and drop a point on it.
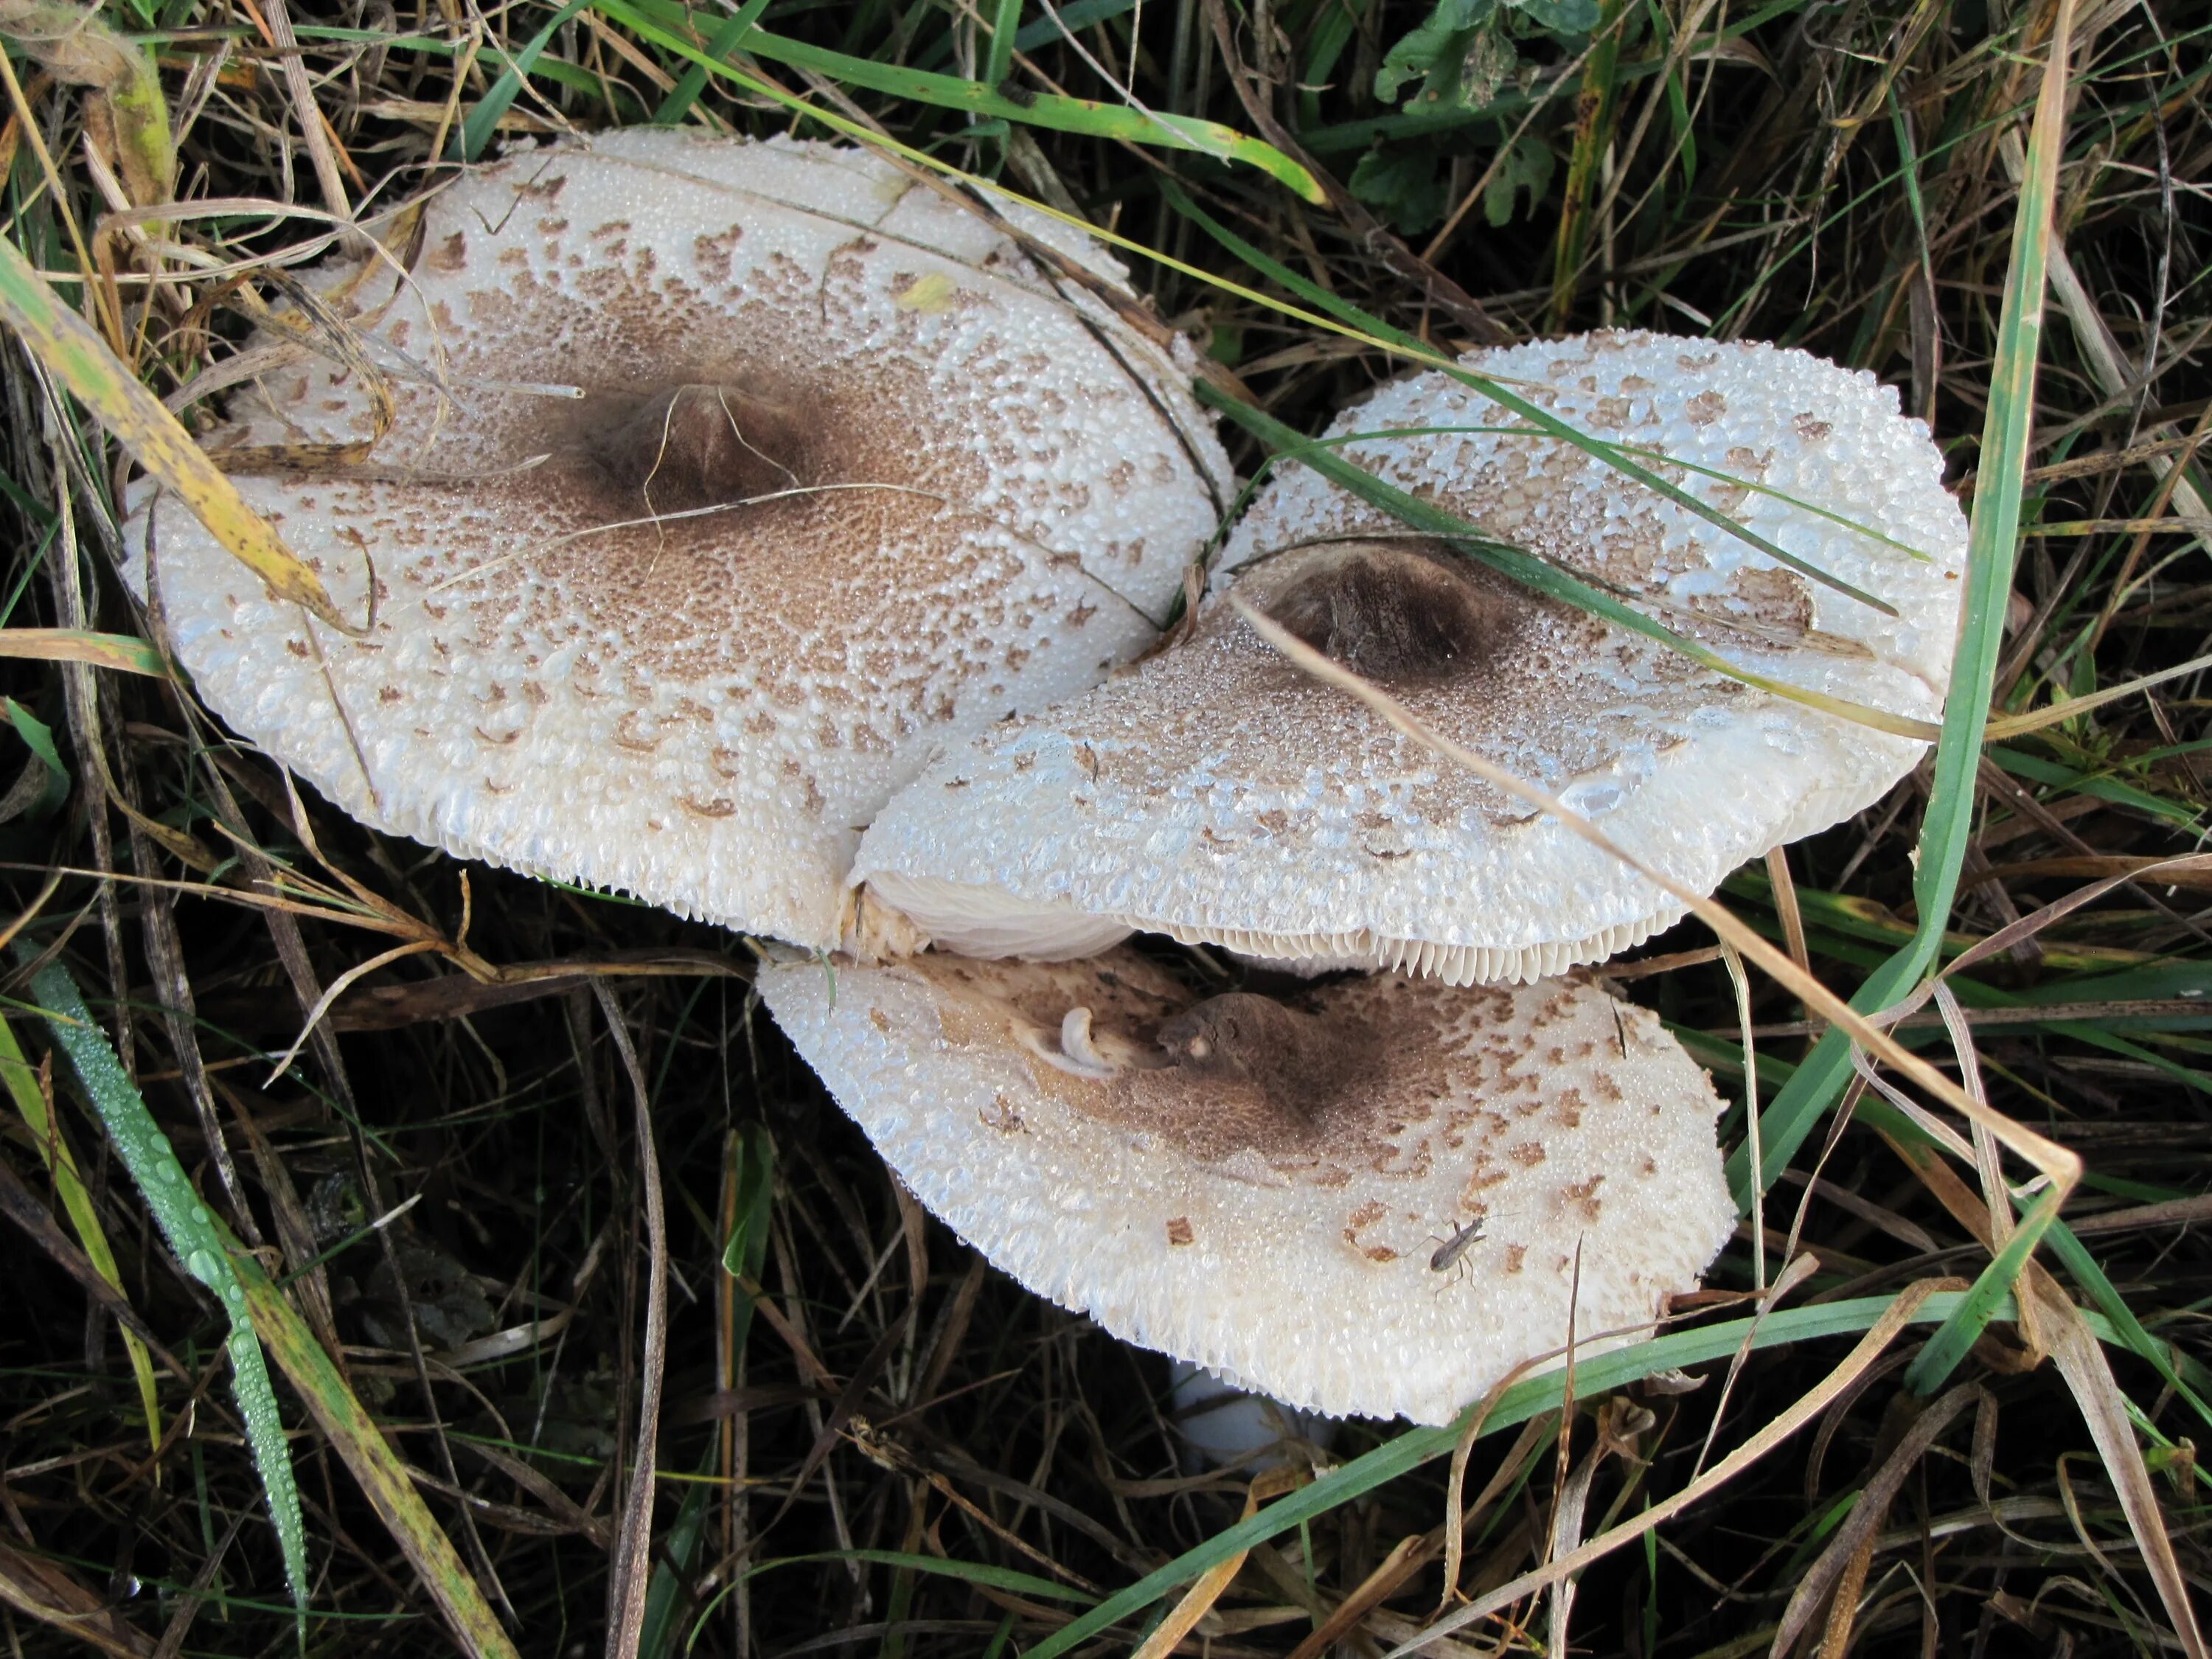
(1933, 1365)
(971, 1572)
(1005, 20)
(2075, 1256)
(745, 1257)
(1519, 1403)
(1362, 324)
(1993, 542)
(191, 1232)
(1084, 115)
(721, 44)
(1524, 568)
(479, 125)
(61, 1167)
(383, 1476)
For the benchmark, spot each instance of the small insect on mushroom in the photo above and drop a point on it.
(1452, 1252)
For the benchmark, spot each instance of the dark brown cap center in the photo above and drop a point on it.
(701, 445)
(1393, 612)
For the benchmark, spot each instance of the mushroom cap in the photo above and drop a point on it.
(849, 474)
(1218, 795)
(1267, 1202)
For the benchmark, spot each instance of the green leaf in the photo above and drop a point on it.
(1529, 166)
(39, 737)
(1561, 16)
(1406, 187)
(1433, 51)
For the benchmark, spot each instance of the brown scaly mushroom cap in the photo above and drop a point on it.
(1262, 1186)
(1219, 795)
(724, 480)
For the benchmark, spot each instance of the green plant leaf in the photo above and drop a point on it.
(1434, 51)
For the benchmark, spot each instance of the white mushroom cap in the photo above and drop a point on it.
(1260, 1188)
(982, 491)
(1218, 795)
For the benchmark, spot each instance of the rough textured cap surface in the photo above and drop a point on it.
(1260, 1186)
(1218, 795)
(847, 475)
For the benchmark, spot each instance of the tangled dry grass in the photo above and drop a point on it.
(867, 1439)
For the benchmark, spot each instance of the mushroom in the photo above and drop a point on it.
(1378, 1197)
(706, 485)
(1218, 795)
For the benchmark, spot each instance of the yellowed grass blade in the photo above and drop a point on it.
(384, 1477)
(74, 355)
(1802, 1412)
(2034, 719)
(1199, 1598)
(120, 652)
(33, 1102)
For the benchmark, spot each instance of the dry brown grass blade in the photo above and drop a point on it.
(2073, 1348)
(633, 1559)
(1407, 1558)
(1803, 1410)
(42, 1591)
(1839, 1573)
(2034, 719)
(1198, 1601)
(1455, 1517)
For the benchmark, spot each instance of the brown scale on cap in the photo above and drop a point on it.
(697, 446)
(1403, 612)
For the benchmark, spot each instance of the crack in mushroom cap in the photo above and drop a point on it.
(1260, 1187)
(1218, 795)
(616, 664)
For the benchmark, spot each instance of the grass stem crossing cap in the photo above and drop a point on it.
(1368, 1200)
(706, 486)
(1218, 795)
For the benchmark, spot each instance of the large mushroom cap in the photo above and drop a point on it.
(1218, 795)
(1260, 1187)
(848, 474)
